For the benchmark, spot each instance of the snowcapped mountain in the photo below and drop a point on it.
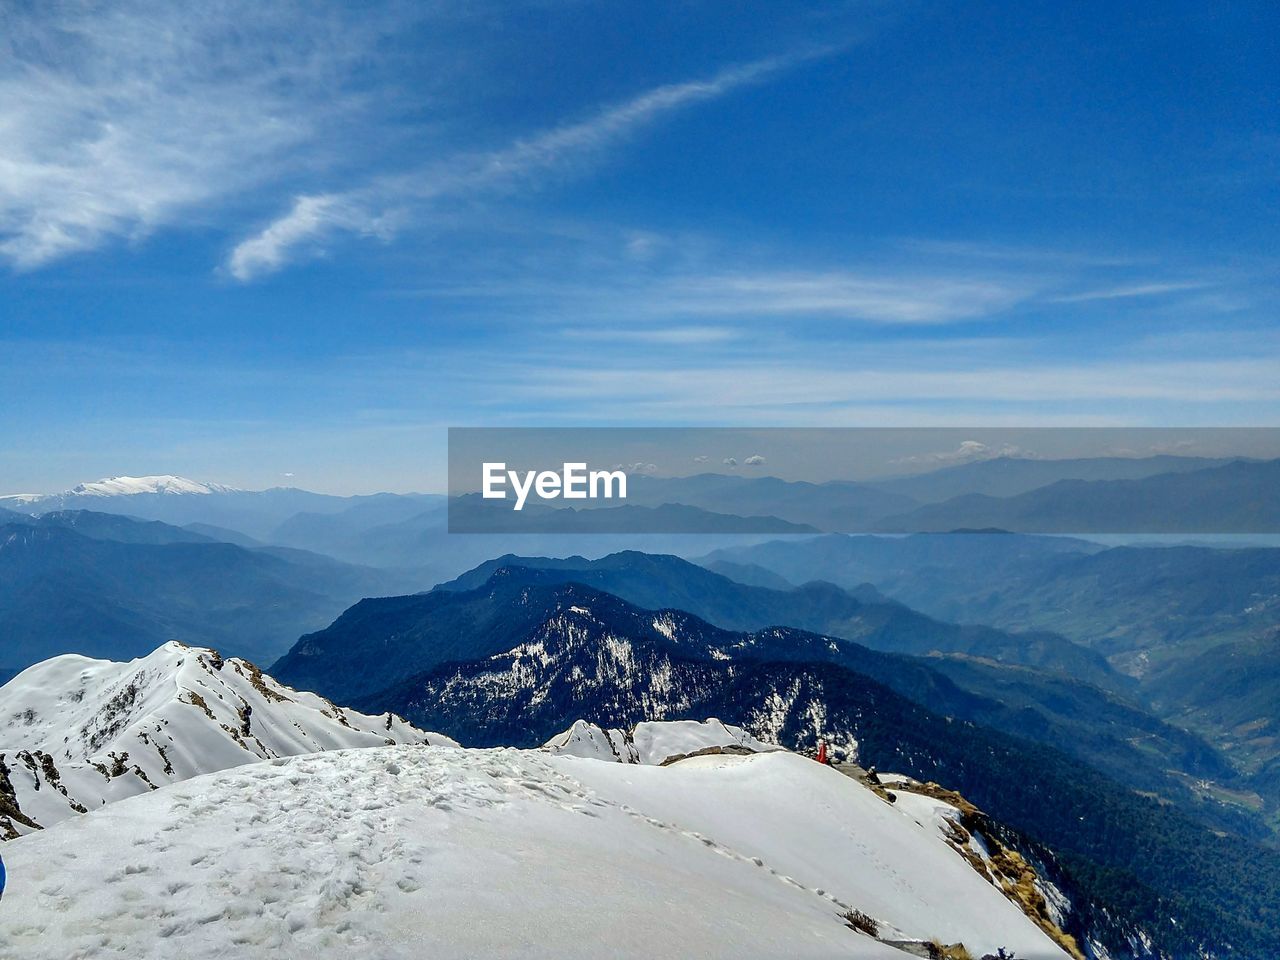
(131, 486)
(654, 742)
(522, 659)
(404, 853)
(116, 487)
(76, 733)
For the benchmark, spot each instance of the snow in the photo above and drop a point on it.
(651, 742)
(407, 852)
(123, 487)
(825, 831)
(297, 845)
(111, 730)
(131, 486)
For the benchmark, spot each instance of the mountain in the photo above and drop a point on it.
(655, 581)
(340, 533)
(128, 487)
(1232, 693)
(76, 733)
(116, 527)
(1240, 496)
(179, 501)
(472, 514)
(379, 642)
(751, 574)
(1138, 605)
(402, 852)
(949, 561)
(1010, 476)
(1141, 861)
(1191, 625)
(836, 505)
(478, 613)
(128, 586)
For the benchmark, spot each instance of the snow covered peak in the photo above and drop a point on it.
(76, 733)
(131, 486)
(654, 742)
(116, 487)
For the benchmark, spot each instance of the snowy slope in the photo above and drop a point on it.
(653, 742)
(404, 852)
(76, 733)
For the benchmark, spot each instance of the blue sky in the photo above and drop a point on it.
(291, 243)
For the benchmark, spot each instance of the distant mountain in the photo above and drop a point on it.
(76, 733)
(128, 586)
(472, 514)
(224, 535)
(1173, 617)
(1238, 497)
(1010, 476)
(340, 533)
(1141, 606)
(836, 505)
(1232, 693)
(179, 501)
(751, 574)
(1140, 861)
(894, 563)
(655, 582)
(117, 527)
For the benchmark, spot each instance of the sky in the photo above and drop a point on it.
(293, 243)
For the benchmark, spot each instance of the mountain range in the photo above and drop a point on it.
(544, 652)
(109, 586)
(1174, 618)
(1237, 497)
(1162, 494)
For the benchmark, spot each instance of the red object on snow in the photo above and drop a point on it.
(822, 751)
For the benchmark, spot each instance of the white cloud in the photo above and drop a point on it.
(755, 460)
(269, 250)
(730, 461)
(657, 336)
(518, 163)
(119, 119)
(790, 390)
(1133, 290)
(899, 299)
(969, 451)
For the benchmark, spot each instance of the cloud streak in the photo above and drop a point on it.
(1131, 291)
(890, 299)
(368, 209)
(117, 120)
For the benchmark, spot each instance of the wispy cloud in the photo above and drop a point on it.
(364, 209)
(658, 336)
(119, 119)
(891, 298)
(1129, 291)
